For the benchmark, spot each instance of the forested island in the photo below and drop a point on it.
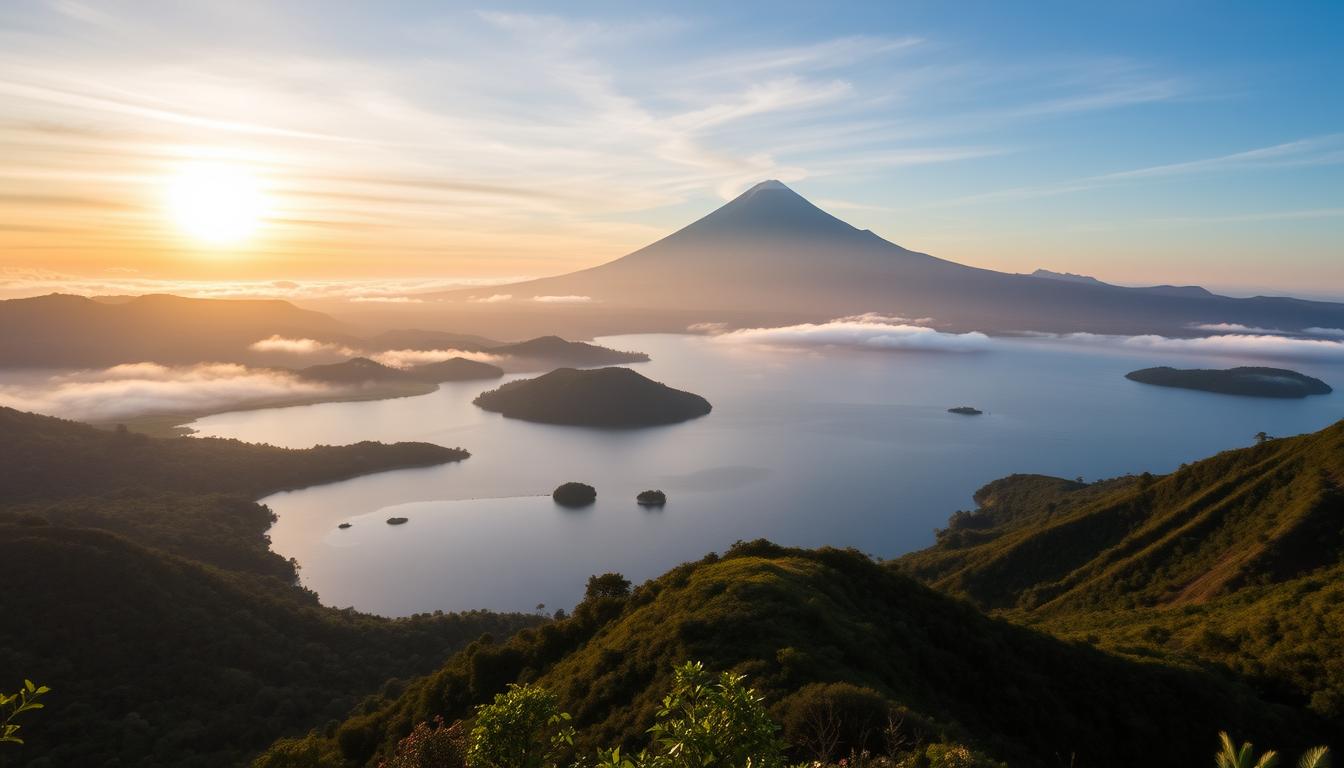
(603, 397)
(1249, 381)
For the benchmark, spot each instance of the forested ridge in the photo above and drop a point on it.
(1235, 562)
(137, 582)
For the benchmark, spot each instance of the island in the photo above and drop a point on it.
(574, 495)
(343, 526)
(651, 498)
(554, 349)
(454, 369)
(397, 520)
(1248, 381)
(603, 397)
(965, 410)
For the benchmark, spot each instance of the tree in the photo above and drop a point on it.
(14, 704)
(1262, 437)
(522, 728)
(607, 585)
(704, 722)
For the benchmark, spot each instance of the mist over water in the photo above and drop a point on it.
(809, 448)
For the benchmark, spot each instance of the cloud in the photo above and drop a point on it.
(278, 343)
(1234, 328)
(141, 389)
(491, 299)
(19, 281)
(1316, 331)
(386, 300)
(405, 358)
(870, 331)
(1307, 152)
(563, 299)
(1226, 345)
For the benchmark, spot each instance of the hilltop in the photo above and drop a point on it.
(789, 619)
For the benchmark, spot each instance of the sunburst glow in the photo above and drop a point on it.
(216, 203)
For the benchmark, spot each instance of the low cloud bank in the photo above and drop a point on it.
(863, 331)
(146, 389)
(491, 299)
(405, 358)
(1226, 345)
(1337, 333)
(1234, 328)
(279, 343)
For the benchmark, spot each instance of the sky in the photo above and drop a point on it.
(390, 147)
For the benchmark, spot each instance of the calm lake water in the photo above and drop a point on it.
(847, 448)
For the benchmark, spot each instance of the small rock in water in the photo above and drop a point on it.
(343, 526)
(651, 498)
(397, 520)
(965, 410)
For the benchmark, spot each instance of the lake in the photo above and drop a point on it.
(823, 447)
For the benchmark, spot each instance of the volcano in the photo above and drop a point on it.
(771, 253)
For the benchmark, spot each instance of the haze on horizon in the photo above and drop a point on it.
(384, 150)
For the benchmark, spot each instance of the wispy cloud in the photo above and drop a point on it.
(562, 299)
(611, 117)
(405, 358)
(1319, 150)
(277, 343)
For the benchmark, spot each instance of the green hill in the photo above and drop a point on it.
(792, 618)
(136, 580)
(1235, 561)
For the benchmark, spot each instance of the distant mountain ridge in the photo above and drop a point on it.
(769, 252)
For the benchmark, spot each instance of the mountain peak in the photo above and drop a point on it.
(768, 184)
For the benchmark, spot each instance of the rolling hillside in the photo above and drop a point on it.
(792, 618)
(138, 583)
(1234, 561)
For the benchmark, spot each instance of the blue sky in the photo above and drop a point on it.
(1140, 142)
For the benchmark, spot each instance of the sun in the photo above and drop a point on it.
(216, 203)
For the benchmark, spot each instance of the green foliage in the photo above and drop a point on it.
(521, 728)
(139, 582)
(606, 585)
(1232, 756)
(1234, 563)
(788, 619)
(704, 722)
(1229, 755)
(14, 704)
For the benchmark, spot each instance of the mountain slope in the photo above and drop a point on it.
(787, 618)
(770, 252)
(138, 583)
(1237, 560)
(72, 331)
